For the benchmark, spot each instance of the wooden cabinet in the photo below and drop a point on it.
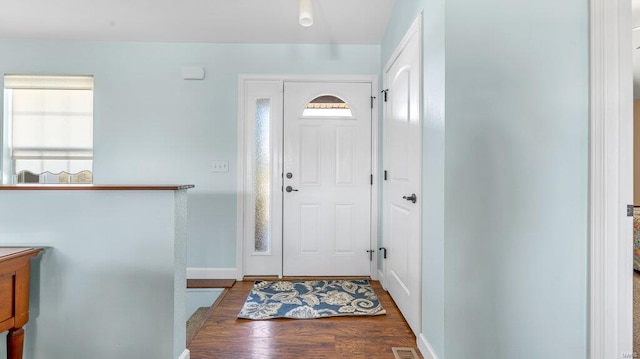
(14, 296)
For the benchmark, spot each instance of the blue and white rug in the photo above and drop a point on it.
(310, 299)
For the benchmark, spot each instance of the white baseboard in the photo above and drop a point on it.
(186, 354)
(425, 348)
(211, 273)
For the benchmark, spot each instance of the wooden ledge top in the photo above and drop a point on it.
(210, 283)
(92, 187)
(7, 253)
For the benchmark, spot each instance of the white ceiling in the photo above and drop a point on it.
(226, 21)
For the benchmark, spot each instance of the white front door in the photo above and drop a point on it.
(327, 179)
(402, 196)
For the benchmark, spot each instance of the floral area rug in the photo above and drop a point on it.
(310, 299)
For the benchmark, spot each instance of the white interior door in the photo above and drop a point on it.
(402, 197)
(326, 179)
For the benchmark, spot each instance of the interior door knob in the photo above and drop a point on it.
(411, 198)
(290, 189)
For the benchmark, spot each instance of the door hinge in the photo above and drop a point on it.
(372, 180)
(370, 251)
(629, 210)
(385, 175)
(385, 94)
(372, 98)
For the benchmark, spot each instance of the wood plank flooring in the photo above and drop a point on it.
(225, 336)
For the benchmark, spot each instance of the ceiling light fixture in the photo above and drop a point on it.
(306, 13)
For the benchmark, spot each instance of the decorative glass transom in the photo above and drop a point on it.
(327, 106)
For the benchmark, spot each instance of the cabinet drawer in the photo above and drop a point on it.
(6, 297)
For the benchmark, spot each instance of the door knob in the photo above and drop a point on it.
(290, 189)
(411, 198)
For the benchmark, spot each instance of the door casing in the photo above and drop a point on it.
(610, 180)
(244, 177)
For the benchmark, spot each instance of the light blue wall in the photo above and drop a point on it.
(111, 283)
(517, 168)
(151, 126)
(511, 258)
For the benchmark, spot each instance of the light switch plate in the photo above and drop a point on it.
(220, 166)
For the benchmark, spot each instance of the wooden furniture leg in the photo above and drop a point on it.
(15, 342)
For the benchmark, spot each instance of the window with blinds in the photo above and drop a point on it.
(49, 125)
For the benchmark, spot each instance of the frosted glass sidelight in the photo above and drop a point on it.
(262, 179)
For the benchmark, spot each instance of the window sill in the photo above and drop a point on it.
(91, 187)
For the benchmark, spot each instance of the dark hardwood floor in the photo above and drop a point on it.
(225, 336)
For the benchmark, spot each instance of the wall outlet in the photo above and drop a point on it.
(220, 166)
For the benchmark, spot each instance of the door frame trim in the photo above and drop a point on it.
(610, 177)
(241, 156)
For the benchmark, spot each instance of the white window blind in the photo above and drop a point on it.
(51, 123)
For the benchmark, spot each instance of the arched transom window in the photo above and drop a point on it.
(327, 106)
